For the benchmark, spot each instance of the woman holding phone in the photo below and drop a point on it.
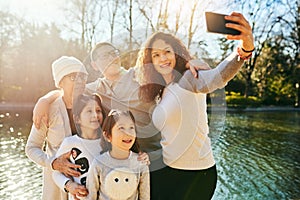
(180, 111)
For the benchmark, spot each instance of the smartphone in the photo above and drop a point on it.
(215, 23)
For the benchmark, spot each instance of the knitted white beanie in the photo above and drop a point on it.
(66, 65)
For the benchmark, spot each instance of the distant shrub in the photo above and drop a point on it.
(237, 100)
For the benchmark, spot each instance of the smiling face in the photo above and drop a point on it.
(91, 117)
(123, 133)
(106, 59)
(73, 84)
(163, 59)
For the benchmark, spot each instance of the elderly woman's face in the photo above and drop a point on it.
(74, 83)
(163, 57)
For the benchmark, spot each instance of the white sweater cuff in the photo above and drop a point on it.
(49, 162)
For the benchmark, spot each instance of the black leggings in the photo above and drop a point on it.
(176, 184)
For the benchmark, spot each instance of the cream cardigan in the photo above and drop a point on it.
(59, 128)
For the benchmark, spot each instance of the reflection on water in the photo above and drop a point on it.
(257, 156)
(19, 177)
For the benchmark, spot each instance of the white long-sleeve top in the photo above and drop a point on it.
(59, 128)
(84, 152)
(182, 118)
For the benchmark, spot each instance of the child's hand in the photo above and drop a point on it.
(144, 157)
(76, 190)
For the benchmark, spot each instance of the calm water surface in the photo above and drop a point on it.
(257, 155)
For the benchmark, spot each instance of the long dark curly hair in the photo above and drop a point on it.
(152, 82)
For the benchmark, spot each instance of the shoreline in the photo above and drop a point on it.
(16, 106)
(255, 109)
(30, 106)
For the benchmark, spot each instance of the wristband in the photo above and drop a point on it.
(247, 51)
(241, 57)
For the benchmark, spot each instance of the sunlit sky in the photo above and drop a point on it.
(38, 11)
(42, 11)
(47, 11)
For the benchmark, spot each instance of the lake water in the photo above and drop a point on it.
(257, 155)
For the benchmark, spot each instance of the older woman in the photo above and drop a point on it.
(180, 113)
(70, 76)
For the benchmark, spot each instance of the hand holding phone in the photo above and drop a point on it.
(215, 23)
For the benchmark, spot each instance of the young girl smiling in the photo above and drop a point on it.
(116, 173)
(88, 117)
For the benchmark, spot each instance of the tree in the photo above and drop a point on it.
(27, 51)
(112, 14)
(8, 37)
(83, 17)
(274, 81)
(192, 29)
(39, 47)
(266, 21)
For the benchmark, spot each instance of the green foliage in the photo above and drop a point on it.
(276, 75)
(236, 85)
(25, 60)
(279, 92)
(237, 100)
(274, 68)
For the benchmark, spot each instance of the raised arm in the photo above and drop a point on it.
(210, 80)
(41, 108)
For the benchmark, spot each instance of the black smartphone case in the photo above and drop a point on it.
(215, 23)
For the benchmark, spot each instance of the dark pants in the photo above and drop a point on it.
(175, 184)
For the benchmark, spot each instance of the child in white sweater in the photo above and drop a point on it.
(117, 174)
(88, 116)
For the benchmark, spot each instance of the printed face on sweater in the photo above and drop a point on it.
(163, 58)
(120, 183)
(123, 134)
(90, 118)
